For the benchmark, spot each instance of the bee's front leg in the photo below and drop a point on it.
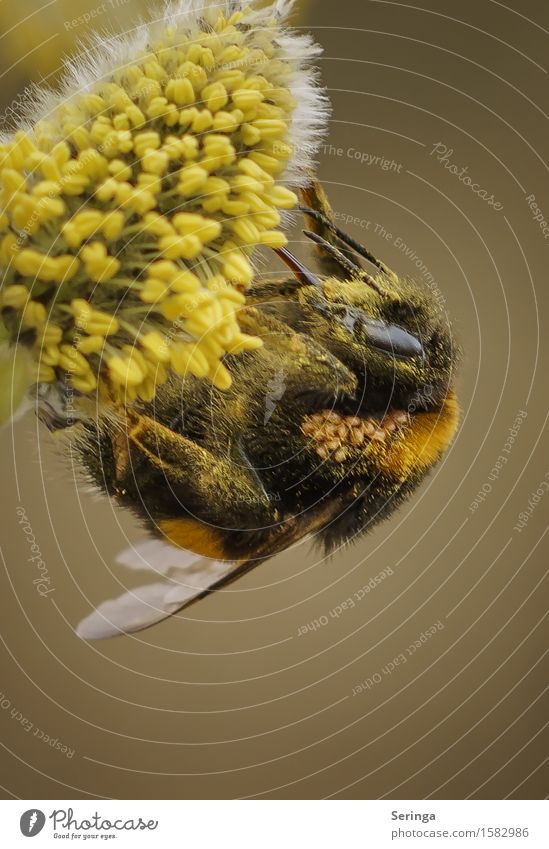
(322, 221)
(216, 503)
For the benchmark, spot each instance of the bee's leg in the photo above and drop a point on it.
(322, 223)
(320, 216)
(209, 492)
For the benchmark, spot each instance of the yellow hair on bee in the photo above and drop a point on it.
(422, 442)
(194, 536)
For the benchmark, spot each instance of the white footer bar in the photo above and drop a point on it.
(277, 824)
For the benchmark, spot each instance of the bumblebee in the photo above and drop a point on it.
(325, 430)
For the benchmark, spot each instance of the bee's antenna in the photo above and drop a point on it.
(302, 273)
(341, 259)
(347, 240)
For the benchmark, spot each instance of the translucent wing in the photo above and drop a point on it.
(186, 576)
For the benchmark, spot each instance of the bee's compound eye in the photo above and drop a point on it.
(391, 338)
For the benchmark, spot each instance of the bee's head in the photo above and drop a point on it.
(393, 334)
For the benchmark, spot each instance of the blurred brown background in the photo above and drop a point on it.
(227, 700)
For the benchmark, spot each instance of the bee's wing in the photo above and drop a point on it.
(157, 555)
(186, 577)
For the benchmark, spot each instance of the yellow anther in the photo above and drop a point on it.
(205, 228)
(47, 188)
(146, 141)
(189, 147)
(218, 152)
(149, 182)
(24, 143)
(100, 129)
(49, 355)
(94, 104)
(34, 315)
(108, 189)
(242, 342)
(15, 296)
(90, 344)
(282, 197)
(120, 170)
(154, 70)
(136, 116)
(155, 162)
(191, 179)
(157, 224)
(226, 122)
(9, 246)
(273, 239)
(268, 163)
(74, 184)
(186, 359)
(50, 208)
(140, 200)
(231, 78)
(271, 128)
(214, 96)
(83, 225)
(12, 182)
(180, 92)
(180, 247)
(73, 361)
(187, 116)
(81, 311)
(220, 376)
(64, 268)
(30, 263)
(237, 268)
(147, 89)
(250, 135)
(93, 165)
(246, 98)
(157, 108)
(172, 147)
(157, 345)
(101, 324)
(86, 385)
(202, 121)
(164, 269)
(154, 290)
(232, 54)
(61, 153)
(25, 214)
(245, 229)
(117, 97)
(125, 371)
(185, 282)
(243, 183)
(113, 224)
(99, 265)
(252, 169)
(121, 122)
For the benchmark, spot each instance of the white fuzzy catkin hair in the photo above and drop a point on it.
(106, 52)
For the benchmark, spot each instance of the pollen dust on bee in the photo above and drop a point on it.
(335, 434)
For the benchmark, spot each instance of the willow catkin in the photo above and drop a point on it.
(131, 206)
